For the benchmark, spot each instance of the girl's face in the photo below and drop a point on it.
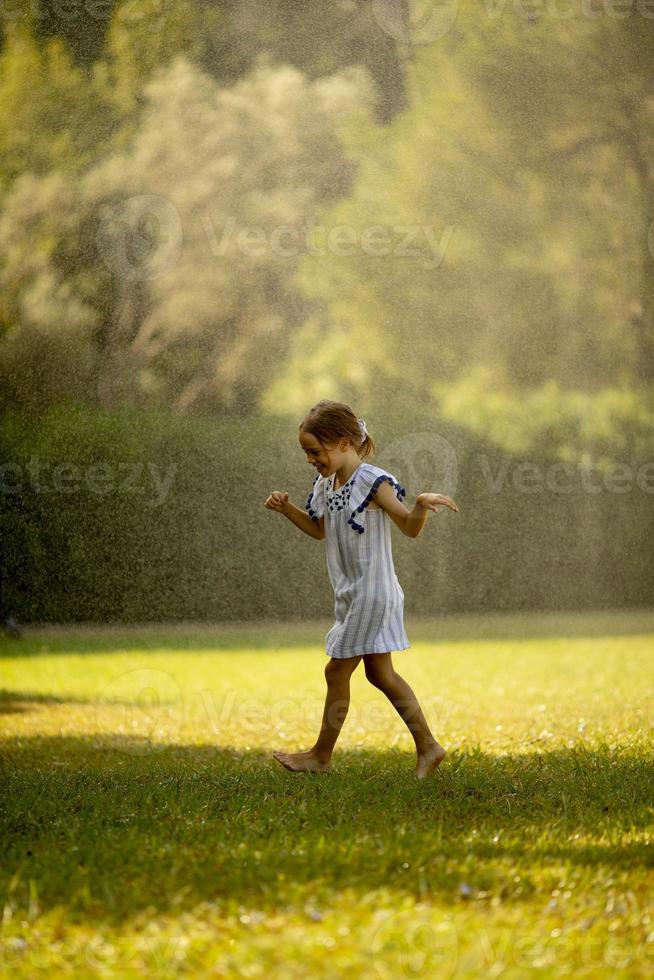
(317, 455)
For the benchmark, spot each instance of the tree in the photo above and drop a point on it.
(514, 269)
(177, 256)
(50, 118)
(143, 39)
(589, 84)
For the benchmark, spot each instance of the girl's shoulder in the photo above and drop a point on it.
(370, 469)
(368, 472)
(368, 477)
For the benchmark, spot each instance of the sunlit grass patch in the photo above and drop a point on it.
(146, 826)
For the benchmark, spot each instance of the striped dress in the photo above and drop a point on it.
(368, 598)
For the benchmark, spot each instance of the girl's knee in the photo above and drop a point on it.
(382, 681)
(336, 669)
(380, 672)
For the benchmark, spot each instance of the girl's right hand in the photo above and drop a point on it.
(278, 500)
(435, 500)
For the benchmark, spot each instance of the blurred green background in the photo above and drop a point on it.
(214, 214)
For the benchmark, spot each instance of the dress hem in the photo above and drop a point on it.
(357, 653)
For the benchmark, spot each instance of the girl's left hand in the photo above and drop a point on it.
(432, 501)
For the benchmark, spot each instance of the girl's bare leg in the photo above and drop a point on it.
(381, 673)
(337, 702)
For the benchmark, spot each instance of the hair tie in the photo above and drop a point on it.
(362, 427)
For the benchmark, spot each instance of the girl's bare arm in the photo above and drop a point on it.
(278, 500)
(316, 529)
(411, 522)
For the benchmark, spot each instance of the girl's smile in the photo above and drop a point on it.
(315, 450)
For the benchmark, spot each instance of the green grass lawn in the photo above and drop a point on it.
(146, 828)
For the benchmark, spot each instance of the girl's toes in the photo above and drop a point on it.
(284, 760)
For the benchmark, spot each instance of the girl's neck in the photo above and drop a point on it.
(344, 473)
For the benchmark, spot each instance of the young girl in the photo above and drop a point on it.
(369, 601)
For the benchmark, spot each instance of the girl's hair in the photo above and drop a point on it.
(329, 421)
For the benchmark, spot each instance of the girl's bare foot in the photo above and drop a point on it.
(302, 761)
(429, 760)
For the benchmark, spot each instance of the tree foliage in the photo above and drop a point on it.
(172, 261)
(207, 211)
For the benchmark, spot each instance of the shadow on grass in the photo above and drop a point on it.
(109, 827)
(19, 702)
(290, 635)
